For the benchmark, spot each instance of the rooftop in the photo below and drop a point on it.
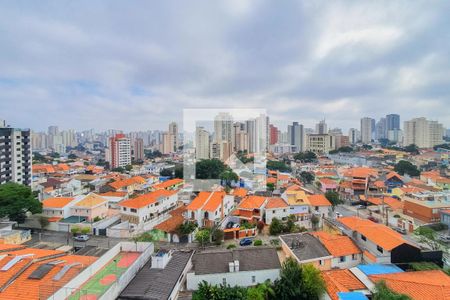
(58, 202)
(90, 201)
(250, 259)
(146, 199)
(305, 246)
(337, 245)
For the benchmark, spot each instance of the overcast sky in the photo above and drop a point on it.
(134, 65)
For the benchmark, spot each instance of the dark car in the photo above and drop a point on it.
(246, 242)
(229, 225)
(372, 219)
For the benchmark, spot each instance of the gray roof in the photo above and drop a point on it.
(250, 259)
(305, 246)
(157, 284)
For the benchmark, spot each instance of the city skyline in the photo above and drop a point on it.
(303, 62)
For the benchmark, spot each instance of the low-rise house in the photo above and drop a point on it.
(379, 243)
(319, 206)
(148, 210)
(426, 211)
(276, 208)
(57, 208)
(90, 207)
(171, 184)
(393, 180)
(339, 283)
(209, 208)
(306, 249)
(169, 227)
(328, 185)
(298, 206)
(345, 252)
(434, 178)
(238, 267)
(251, 208)
(129, 185)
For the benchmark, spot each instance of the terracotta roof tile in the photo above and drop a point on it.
(57, 202)
(337, 281)
(252, 202)
(318, 200)
(146, 199)
(337, 245)
(276, 203)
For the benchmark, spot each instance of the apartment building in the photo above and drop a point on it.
(15, 155)
(321, 143)
(367, 129)
(423, 133)
(119, 152)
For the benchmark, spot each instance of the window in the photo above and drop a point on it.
(354, 256)
(380, 249)
(363, 238)
(342, 259)
(224, 281)
(273, 211)
(253, 279)
(124, 209)
(133, 210)
(321, 262)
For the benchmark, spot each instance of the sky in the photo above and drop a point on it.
(135, 65)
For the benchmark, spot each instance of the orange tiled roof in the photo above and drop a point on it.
(146, 199)
(318, 200)
(380, 234)
(361, 172)
(374, 200)
(62, 167)
(370, 256)
(327, 181)
(341, 281)
(114, 194)
(168, 183)
(57, 202)
(252, 202)
(393, 174)
(176, 219)
(240, 192)
(276, 203)
(337, 245)
(271, 180)
(379, 184)
(424, 285)
(294, 187)
(393, 203)
(283, 177)
(43, 168)
(208, 201)
(127, 182)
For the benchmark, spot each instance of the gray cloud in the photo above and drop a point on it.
(113, 64)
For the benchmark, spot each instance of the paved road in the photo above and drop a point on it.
(62, 238)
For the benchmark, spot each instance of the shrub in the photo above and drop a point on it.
(231, 246)
(274, 242)
(85, 230)
(75, 230)
(257, 243)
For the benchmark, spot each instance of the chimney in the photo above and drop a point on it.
(236, 266)
(231, 267)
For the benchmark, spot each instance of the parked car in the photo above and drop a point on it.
(236, 226)
(338, 214)
(400, 230)
(229, 225)
(81, 238)
(246, 242)
(444, 238)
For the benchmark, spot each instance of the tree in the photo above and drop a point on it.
(179, 171)
(334, 198)
(143, 237)
(166, 173)
(405, 167)
(278, 166)
(202, 236)
(313, 281)
(186, 228)
(217, 236)
(72, 156)
(260, 225)
(85, 230)
(413, 149)
(152, 154)
(16, 200)
(43, 221)
(206, 291)
(209, 169)
(75, 230)
(382, 292)
(428, 236)
(314, 221)
(119, 170)
(128, 168)
(307, 177)
(276, 227)
(260, 292)
(228, 176)
(305, 157)
(298, 282)
(270, 186)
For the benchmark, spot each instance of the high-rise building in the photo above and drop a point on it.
(381, 129)
(320, 143)
(202, 148)
(422, 133)
(321, 127)
(392, 122)
(138, 149)
(173, 131)
(296, 134)
(367, 129)
(119, 151)
(273, 139)
(15, 155)
(223, 128)
(354, 136)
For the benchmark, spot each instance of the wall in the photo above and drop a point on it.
(349, 262)
(87, 273)
(280, 213)
(241, 278)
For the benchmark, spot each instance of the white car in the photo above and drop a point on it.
(81, 238)
(338, 214)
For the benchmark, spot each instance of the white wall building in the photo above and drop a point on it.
(423, 133)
